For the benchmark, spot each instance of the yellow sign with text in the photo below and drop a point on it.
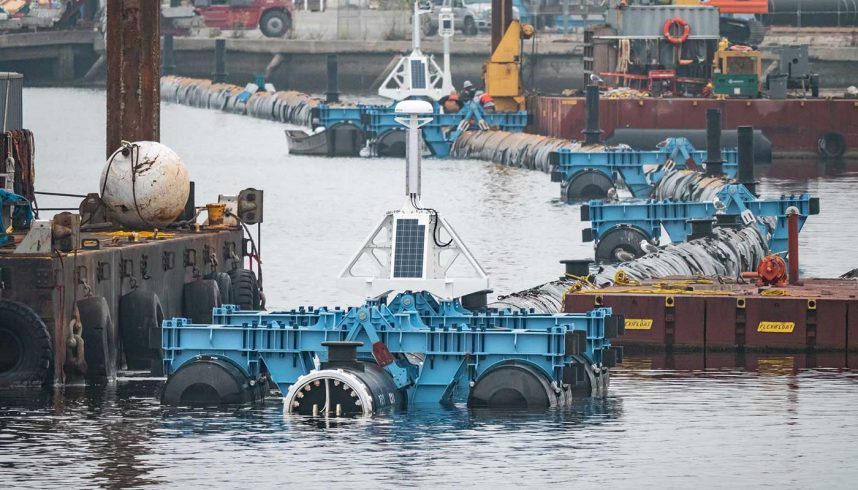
(776, 327)
(638, 324)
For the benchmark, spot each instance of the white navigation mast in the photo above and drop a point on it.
(414, 249)
(418, 75)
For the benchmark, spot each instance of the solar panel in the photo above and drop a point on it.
(408, 255)
(418, 74)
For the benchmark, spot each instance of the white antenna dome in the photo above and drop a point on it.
(414, 107)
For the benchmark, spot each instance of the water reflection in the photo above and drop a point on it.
(723, 404)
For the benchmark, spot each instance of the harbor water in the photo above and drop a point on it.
(720, 421)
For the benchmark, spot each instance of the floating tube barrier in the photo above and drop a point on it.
(289, 107)
(690, 185)
(726, 252)
(520, 150)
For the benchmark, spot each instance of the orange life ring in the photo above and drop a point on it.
(676, 21)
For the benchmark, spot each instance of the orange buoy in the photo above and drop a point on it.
(682, 24)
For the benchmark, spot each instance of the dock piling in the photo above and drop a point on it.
(133, 72)
(169, 62)
(746, 158)
(592, 132)
(333, 92)
(219, 75)
(714, 162)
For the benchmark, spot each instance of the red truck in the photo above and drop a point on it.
(273, 17)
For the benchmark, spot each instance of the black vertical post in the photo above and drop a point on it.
(333, 93)
(714, 163)
(219, 75)
(592, 132)
(746, 158)
(168, 65)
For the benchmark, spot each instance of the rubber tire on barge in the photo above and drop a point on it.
(224, 287)
(198, 299)
(211, 382)
(140, 318)
(585, 185)
(26, 353)
(97, 333)
(245, 290)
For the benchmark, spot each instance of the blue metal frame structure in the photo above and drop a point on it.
(639, 170)
(650, 216)
(439, 135)
(458, 345)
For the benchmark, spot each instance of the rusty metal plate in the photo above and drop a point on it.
(831, 328)
(721, 322)
(689, 321)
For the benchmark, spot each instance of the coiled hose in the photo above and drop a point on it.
(727, 252)
(689, 185)
(520, 150)
(289, 107)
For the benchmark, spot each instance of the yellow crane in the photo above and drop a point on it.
(502, 72)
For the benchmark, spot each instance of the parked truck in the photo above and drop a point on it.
(272, 17)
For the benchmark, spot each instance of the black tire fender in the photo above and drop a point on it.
(26, 351)
(245, 290)
(198, 299)
(98, 337)
(140, 318)
(224, 286)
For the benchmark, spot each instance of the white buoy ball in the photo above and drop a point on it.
(144, 185)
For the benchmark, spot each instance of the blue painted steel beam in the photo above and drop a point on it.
(639, 170)
(650, 216)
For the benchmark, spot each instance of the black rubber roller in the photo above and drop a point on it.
(211, 382)
(512, 385)
(620, 245)
(586, 185)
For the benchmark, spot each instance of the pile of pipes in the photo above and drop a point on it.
(727, 252)
(520, 150)
(285, 106)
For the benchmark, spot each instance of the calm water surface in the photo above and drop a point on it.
(715, 422)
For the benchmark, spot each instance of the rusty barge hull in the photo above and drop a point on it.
(821, 315)
(53, 285)
(794, 126)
